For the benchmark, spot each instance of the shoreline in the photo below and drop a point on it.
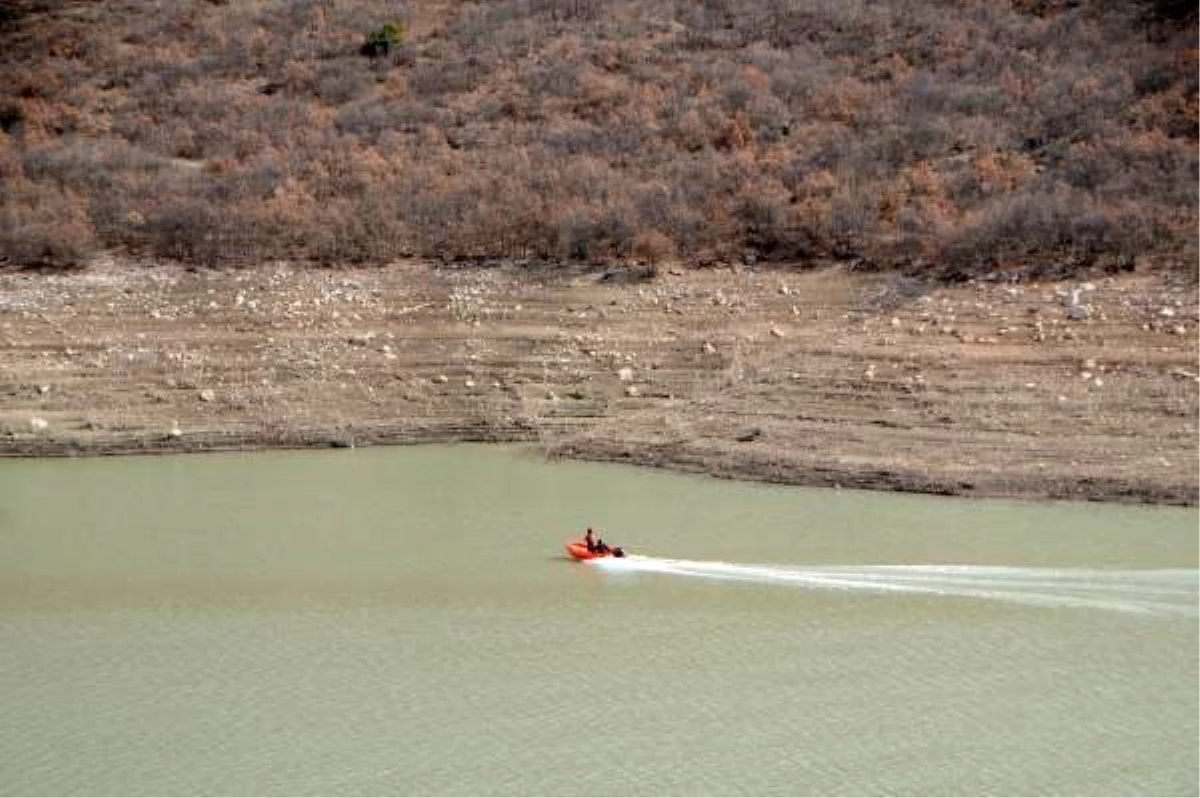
(1112, 491)
(819, 378)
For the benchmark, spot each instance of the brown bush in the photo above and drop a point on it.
(1055, 222)
(652, 247)
(41, 226)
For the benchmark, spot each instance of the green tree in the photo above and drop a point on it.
(380, 42)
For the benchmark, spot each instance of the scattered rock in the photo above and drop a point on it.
(37, 424)
(625, 374)
(441, 379)
(748, 435)
(1075, 310)
(777, 333)
(709, 349)
(1184, 374)
(1078, 313)
(207, 395)
(631, 391)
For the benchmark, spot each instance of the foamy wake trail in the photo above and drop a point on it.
(1151, 591)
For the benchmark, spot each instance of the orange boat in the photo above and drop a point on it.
(578, 549)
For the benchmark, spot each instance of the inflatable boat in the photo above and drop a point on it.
(578, 550)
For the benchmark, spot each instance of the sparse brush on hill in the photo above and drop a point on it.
(954, 137)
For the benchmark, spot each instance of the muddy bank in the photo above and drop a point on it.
(1082, 390)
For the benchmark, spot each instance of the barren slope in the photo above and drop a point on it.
(823, 378)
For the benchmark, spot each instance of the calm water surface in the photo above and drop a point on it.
(401, 621)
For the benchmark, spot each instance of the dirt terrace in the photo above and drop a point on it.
(821, 377)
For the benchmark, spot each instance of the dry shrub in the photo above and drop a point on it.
(692, 131)
(42, 226)
(737, 134)
(1003, 172)
(595, 235)
(653, 247)
(186, 230)
(10, 160)
(1056, 223)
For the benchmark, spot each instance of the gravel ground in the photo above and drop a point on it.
(1082, 390)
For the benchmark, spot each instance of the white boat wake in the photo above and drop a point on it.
(1173, 591)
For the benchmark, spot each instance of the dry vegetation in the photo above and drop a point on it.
(949, 137)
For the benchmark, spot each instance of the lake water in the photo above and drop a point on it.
(402, 621)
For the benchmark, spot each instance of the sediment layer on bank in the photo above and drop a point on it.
(1082, 390)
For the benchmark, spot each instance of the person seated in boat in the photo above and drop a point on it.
(602, 547)
(590, 540)
(617, 551)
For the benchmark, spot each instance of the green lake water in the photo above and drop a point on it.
(403, 621)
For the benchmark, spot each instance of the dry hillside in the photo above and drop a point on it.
(947, 137)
